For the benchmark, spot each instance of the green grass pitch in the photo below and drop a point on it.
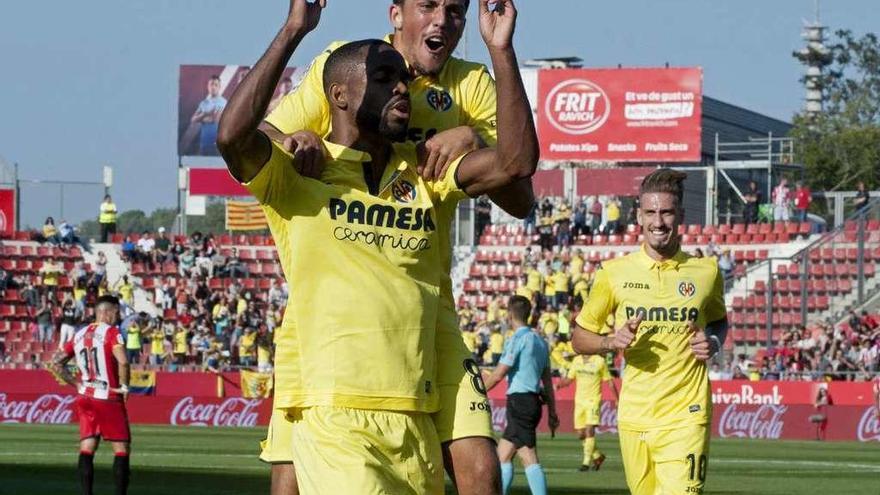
(38, 459)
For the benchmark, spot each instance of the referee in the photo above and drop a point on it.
(526, 363)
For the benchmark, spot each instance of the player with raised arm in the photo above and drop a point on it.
(453, 106)
(360, 334)
(588, 373)
(526, 364)
(102, 390)
(674, 319)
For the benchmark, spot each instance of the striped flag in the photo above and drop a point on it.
(244, 215)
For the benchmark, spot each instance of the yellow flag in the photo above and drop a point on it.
(256, 385)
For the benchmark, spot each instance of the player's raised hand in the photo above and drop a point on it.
(497, 22)
(700, 344)
(304, 15)
(308, 153)
(625, 334)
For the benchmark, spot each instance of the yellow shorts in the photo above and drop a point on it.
(586, 413)
(276, 448)
(341, 450)
(665, 462)
(464, 408)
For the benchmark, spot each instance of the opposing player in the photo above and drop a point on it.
(672, 306)
(526, 364)
(588, 373)
(102, 390)
(381, 367)
(452, 112)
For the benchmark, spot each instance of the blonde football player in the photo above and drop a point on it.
(674, 319)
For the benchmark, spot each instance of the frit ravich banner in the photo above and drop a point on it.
(244, 215)
(620, 114)
(7, 211)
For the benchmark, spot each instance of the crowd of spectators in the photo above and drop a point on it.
(200, 325)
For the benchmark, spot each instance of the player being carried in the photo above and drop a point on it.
(674, 319)
(453, 105)
(588, 373)
(360, 249)
(102, 390)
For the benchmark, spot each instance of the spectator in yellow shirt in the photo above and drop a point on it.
(181, 347)
(51, 272)
(247, 347)
(561, 284)
(126, 290)
(549, 322)
(496, 345)
(612, 216)
(576, 265)
(581, 289)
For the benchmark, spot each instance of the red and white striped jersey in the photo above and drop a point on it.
(92, 346)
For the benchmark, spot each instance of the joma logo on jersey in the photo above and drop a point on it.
(403, 191)
(687, 288)
(659, 313)
(382, 215)
(439, 100)
(636, 285)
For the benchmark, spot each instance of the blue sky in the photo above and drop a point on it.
(92, 83)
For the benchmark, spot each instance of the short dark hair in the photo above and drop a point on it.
(107, 299)
(345, 60)
(214, 77)
(664, 180)
(519, 308)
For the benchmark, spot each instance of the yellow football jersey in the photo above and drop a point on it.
(664, 386)
(462, 94)
(359, 326)
(588, 372)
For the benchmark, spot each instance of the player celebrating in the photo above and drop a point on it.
(102, 390)
(453, 111)
(669, 302)
(361, 376)
(588, 372)
(526, 363)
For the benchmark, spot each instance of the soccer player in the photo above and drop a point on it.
(588, 372)
(102, 390)
(453, 111)
(353, 212)
(670, 310)
(526, 364)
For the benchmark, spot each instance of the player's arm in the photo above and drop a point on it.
(498, 374)
(58, 365)
(549, 399)
(586, 338)
(516, 155)
(243, 146)
(709, 341)
(124, 369)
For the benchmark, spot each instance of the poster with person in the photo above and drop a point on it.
(202, 96)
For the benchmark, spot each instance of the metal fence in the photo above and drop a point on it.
(819, 283)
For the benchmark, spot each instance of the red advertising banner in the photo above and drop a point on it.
(745, 392)
(214, 182)
(7, 211)
(620, 114)
(766, 421)
(620, 181)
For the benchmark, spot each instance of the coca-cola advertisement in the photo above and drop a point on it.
(184, 411)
